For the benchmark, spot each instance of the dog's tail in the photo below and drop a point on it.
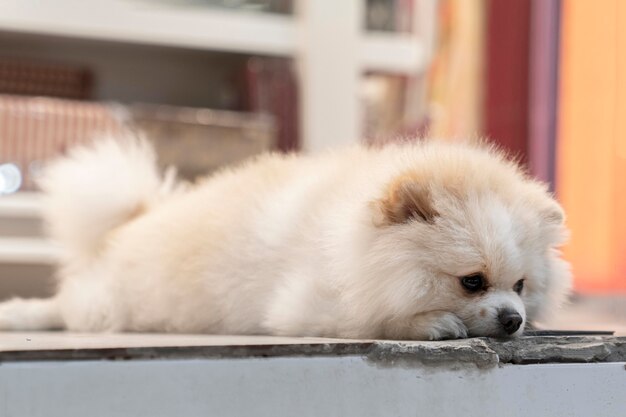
(97, 188)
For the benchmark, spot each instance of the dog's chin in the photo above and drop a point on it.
(495, 333)
(492, 330)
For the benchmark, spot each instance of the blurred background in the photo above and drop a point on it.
(214, 81)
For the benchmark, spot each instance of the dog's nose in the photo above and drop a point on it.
(510, 320)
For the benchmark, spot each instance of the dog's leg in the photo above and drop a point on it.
(437, 325)
(30, 314)
(432, 325)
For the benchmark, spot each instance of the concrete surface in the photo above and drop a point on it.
(313, 386)
(58, 374)
(475, 352)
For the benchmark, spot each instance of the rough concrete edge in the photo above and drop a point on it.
(456, 354)
(479, 353)
(190, 352)
(484, 353)
(552, 349)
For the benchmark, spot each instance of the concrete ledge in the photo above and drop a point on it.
(477, 352)
(561, 349)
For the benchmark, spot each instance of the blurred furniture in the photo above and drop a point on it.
(36, 78)
(34, 129)
(195, 140)
(26, 258)
(319, 35)
(198, 141)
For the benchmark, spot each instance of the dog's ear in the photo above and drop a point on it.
(406, 199)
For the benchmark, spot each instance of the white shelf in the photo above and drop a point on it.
(152, 23)
(204, 28)
(25, 250)
(28, 251)
(322, 34)
(22, 204)
(388, 52)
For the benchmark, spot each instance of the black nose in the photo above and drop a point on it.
(510, 320)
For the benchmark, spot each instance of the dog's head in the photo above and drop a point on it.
(465, 231)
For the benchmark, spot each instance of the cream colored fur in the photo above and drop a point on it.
(295, 245)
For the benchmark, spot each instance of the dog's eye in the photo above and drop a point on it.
(474, 282)
(519, 286)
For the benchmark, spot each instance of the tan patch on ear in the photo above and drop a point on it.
(407, 198)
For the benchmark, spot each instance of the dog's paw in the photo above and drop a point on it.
(438, 325)
(11, 314)
(31, 314)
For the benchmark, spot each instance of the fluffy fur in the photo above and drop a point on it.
(361, 243)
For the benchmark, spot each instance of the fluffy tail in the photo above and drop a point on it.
(97, 188)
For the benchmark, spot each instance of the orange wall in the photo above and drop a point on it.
(591, 154)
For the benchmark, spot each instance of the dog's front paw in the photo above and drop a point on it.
(444, 326)
(448, 326)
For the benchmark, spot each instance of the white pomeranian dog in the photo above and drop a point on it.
(428, 240)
